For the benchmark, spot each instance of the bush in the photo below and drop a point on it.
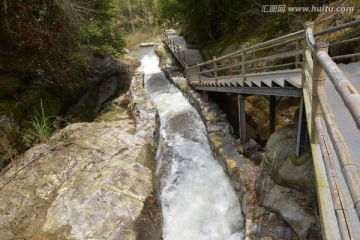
(59, 36)
(41, 130)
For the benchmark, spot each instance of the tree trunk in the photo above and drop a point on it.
(5, 25)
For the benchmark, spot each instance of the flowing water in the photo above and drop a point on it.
(197, 200)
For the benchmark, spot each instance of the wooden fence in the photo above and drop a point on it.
(324, 129)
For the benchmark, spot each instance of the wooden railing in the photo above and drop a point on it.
(285, 54)
(318, 66)
(175, 49)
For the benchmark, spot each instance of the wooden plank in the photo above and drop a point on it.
(280, 72)
(291, 92)
(280, 82)
(267, 83)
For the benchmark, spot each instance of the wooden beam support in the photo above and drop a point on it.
(242, 118)
(206, 96)
(272, 112)
(290, 92)
(302, 141)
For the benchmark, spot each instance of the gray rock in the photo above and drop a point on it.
(273, 217)
(213, 128)
(272, 197)
(285, 168)
(251, 228)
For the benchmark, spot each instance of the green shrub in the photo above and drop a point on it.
(41, 128)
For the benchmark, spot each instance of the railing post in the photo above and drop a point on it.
(297, 57)
(215, 69)
(253, 58)
(231, 68)
(319, 76)
(243, 60)
(198, 72)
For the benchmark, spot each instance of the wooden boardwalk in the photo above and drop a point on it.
(329, 110)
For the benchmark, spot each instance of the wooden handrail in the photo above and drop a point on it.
(310, 41)
(322, 110)
(337, 28)
(344, 87)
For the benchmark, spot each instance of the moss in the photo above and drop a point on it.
(230, 164)
(2, 93)
(298, 161)
(160, 52)
(215, 140)
(13, 109)
(12, 82)
(54, 99)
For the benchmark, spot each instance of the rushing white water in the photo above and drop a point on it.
(197, 200)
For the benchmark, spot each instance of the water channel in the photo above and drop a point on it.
(197, 199)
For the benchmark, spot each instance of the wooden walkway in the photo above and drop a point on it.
(329, 110)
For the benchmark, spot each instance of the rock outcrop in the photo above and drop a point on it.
(285, 167)
(91, 181)
(23, 97)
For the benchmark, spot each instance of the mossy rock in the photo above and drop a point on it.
(53, 100)
(12, 109)
(9, 81)
(9, 85)
(2, 93)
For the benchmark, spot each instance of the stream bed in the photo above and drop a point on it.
(197, 199)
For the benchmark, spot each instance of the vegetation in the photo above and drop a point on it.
(41, 126)
(59, 37)
(138, 14)
(207, 21)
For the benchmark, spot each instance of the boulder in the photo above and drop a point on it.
(283, 201)
(285, 167)
(149, 44)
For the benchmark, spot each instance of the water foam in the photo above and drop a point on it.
(196, 197)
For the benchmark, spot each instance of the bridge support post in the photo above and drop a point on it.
(206, 96)
(302, 141)
(272, 112)
(242, 118)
